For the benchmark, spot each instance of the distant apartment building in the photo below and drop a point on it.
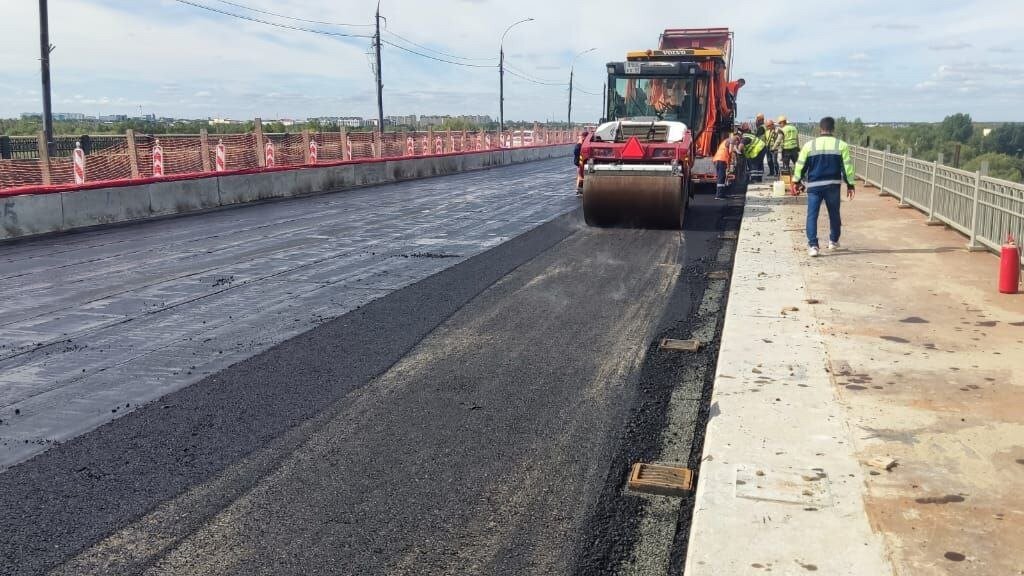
(409, 120)
(69, 116)
(113, 118)
(346, 121)
(31, 116)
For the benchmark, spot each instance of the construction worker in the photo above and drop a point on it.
(759, 126)
(731, 90)
(821, 169)
(723, 159)
(578, 161)
(753, 150)
(790, 143)
(773, 140)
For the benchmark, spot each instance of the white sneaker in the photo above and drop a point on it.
(833, 245)
(812, 251)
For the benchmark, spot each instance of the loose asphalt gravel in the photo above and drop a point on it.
(479, 421)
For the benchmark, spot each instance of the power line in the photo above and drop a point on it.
(267, 12)
(275, 24)
(531, 80)
(421, 54)
(429, 49)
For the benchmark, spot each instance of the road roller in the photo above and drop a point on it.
(665, 113)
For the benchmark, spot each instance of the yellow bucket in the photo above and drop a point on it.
(788, 179)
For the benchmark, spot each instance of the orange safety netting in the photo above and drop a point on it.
(110, 157)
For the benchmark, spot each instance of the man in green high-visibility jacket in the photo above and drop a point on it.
(790, 143)
(753, 149)
(822, 168)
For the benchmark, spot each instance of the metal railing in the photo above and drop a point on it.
(982, 208)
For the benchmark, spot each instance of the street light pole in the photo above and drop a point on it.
(44, 58)
(572, 69)
(501, 76)
(380, 79)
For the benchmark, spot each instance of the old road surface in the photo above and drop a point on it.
(471, 374)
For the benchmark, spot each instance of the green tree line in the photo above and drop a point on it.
(1002, 147)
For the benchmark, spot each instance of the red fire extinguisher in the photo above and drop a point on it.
(1009, 267)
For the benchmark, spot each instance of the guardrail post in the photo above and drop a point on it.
(973, 245)
(984, 168)
(932, 221)
(133, 155)
(44, 158)
(261, 154)
(344, 152)
(903, 179)
(881, 184)
(204, 149)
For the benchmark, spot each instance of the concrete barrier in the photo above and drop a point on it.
(84, 208)
(31, 215)
(183, 196)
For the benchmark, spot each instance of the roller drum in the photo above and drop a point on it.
(637, 200)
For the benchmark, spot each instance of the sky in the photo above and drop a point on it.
(909, 60)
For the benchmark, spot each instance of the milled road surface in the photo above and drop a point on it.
(478, 421)
(94, 324)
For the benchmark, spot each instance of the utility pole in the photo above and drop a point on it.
(570, 98)
(380, 80)
(572, 69)
(44, 58)
(604, 101)
(501, 76)
(501, 89)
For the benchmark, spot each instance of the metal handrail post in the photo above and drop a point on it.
(881, 183)
(973, 244)
(931, 195)
(903, 179)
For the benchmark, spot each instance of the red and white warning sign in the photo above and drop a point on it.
(158, 160)
(410, 146)
(313, 150)
(438, 145)
(270, 153)
(220, 163)
(79, 162)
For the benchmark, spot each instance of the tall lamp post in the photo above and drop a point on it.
(572, 69)
(501, 75)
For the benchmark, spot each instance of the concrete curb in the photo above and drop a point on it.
(36, 214)
(779, 485)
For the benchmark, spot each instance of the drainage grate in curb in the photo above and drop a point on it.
(728, 235)
(681, 345)
(718, 275)
(660, 479)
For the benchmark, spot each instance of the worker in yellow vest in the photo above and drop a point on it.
(790, 144)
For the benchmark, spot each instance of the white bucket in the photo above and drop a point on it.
(778, 188)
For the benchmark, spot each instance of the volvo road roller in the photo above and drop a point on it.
(665, 114)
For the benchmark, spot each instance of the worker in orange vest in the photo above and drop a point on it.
(722, 159)
(731, 90)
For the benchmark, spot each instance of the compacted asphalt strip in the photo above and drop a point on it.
(479, 420)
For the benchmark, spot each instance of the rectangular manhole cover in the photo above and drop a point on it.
(660, 479)
(681, 345)
(806, 487)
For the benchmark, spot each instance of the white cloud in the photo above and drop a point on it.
(950, 45)
(859, 56)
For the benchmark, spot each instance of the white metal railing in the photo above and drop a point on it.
(982, 208)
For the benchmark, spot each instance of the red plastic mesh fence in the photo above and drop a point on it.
(110, 157)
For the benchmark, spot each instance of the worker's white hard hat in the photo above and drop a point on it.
(781, 119)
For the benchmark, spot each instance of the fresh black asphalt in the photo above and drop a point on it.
(477, 421)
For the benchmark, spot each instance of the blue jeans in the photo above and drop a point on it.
(832, 197)
(721, 178)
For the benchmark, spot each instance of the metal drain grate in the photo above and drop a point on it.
(728, 235)
(718, 275)
(660, 479)
(681, 345)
